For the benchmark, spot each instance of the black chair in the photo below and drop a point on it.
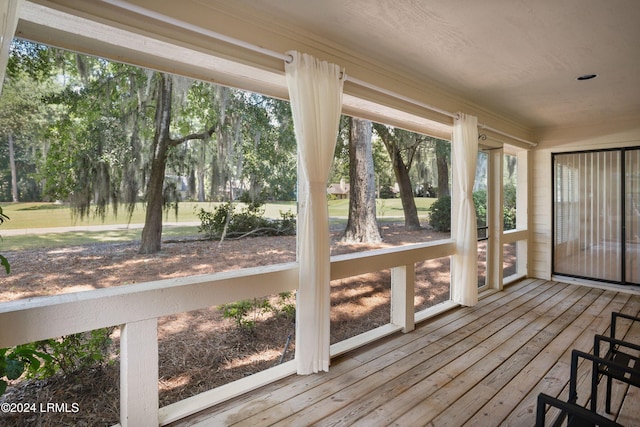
(577, 415)
(617, 363)
(625, 367)
(618, 352)
(614, 317)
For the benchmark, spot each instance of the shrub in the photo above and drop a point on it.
(248, 221)
(440, 210)
(509, 206)
(244, 313)
(212, 223)
(509, 218)
(287, 222)
(286, 305)
(249, 218)
(387, 192)
(480, 203)
(440, 214)
(44, 359)
(14, 362)
(73, 353)
(4, 261)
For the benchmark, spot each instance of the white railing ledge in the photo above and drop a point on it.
(41, 318)
(512, 236)
(353, 264)
(136, 288)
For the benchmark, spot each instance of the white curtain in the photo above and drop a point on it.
(315, 92)
(464, 266)
(8, 22)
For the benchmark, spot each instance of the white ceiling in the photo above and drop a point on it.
(517, 58)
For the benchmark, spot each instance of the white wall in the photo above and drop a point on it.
(625, 133)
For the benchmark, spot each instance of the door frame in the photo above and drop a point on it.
(622, 219)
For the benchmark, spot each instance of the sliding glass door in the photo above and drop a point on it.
(632, 216)
(596, 215)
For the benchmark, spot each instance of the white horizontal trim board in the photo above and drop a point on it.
(40, 318)
(349, 265)
(53, 316)
(62, 28)
(512, 236)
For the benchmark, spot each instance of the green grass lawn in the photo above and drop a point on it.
(386, 209)
(48, 215)
(45, 215)
(71, 238)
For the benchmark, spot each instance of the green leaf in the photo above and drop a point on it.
(5, 262)
(3, 387)
(14, 369)
(34, 363)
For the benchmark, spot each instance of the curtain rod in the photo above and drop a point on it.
(123, 4)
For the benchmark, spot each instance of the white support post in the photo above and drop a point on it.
(139, 374)
(403, 280)
(495, 224)
(523, 200)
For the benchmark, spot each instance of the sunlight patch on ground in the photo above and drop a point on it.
(77, 288)
(362, 306)
(173, 382)
(354, 291)
(67, 250)
(267, 355)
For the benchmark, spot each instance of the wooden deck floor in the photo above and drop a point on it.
(479, 366)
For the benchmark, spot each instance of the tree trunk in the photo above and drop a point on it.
(511, 165)
(14, 173)
(393, 144)
(213, 191)
(362, 225)
(442, 149)
(193, 185)
(162, 141)
(201, 161)
(152, 231)
(411, 220)
(200, 183)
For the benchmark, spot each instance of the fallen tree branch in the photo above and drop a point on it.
(278, 231)
(226, 225)
(189, 240)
